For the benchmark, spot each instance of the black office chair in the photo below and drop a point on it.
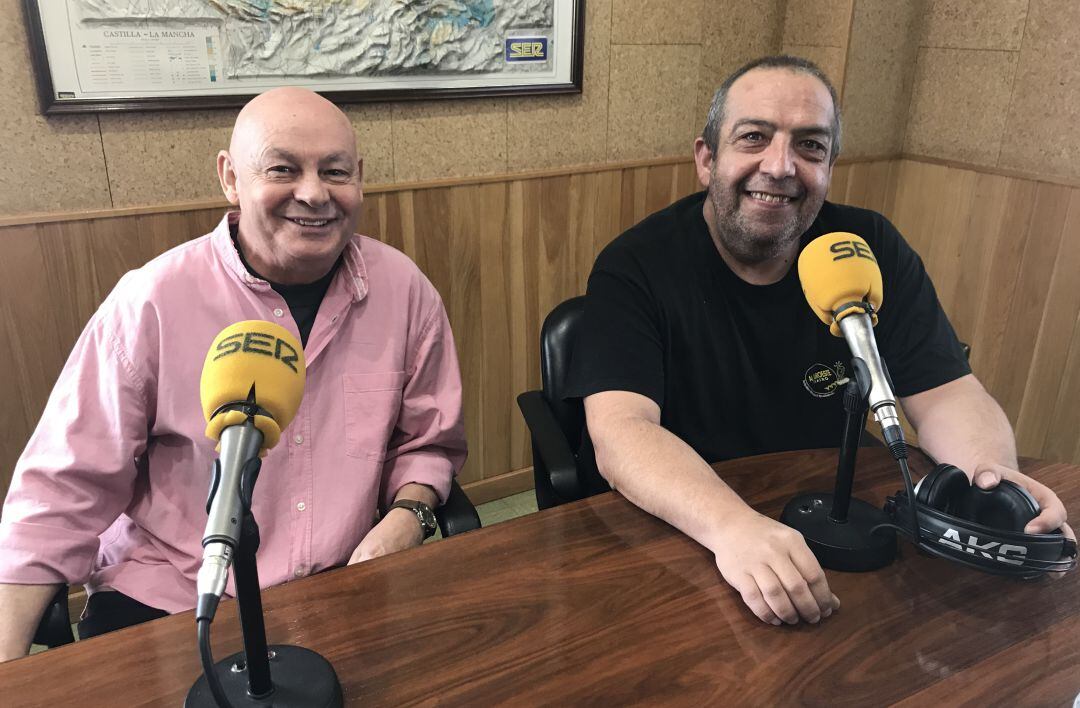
(564, 468)
(457, 515)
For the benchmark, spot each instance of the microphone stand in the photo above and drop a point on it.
(304, 678)
(836, 527)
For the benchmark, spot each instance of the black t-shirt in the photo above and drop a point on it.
(740, 369)
(303, 300)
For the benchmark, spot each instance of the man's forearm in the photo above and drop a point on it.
(661, 474)
(962, 425)
(21, 607)
(418, 492)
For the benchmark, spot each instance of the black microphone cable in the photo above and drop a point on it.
(207, 656)
(894, 440)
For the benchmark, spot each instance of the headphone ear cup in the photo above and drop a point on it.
(1006, 506)
(944, 489)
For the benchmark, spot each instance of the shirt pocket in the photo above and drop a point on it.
(372, 405)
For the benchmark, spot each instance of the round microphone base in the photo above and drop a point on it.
(300, 676)
(847, 545)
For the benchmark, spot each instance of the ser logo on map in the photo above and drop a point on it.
(526, 49)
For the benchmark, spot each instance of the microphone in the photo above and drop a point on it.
(842, 282)
(251, 386)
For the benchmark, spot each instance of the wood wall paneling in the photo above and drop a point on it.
(1003, 251)
(502, 254)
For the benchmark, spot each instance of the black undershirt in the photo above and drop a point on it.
(303, 300)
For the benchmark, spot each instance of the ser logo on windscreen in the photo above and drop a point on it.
(851, 249)
(258, 343)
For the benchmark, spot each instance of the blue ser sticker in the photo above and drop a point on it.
(526, 49)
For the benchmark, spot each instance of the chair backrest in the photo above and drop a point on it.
(557, 337)
(556, 347)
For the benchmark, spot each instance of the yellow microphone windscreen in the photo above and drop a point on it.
(255, 354)
(838, 270)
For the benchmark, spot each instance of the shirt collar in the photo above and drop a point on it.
(353, 273)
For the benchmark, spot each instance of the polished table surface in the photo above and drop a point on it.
(598, 603)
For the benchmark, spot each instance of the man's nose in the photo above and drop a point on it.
(778, 161)
(311, 190)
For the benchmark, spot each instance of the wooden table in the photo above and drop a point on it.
(597, 603)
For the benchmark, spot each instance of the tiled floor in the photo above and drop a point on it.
(508, 508)
(501, 510)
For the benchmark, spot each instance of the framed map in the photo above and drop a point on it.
(134, 55)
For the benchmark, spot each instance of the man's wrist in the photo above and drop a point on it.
(728, 520)
(413, 526)
(421, 513)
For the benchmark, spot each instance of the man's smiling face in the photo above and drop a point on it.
(771, 171)
(293, 169)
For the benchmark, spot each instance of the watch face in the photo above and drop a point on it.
(428, 515)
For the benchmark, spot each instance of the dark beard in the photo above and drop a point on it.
(750, 244)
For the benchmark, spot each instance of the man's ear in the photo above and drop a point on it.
(226, 172)
(703, 161)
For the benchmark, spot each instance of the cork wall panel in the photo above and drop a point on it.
(651, 22)
(50, 164)
(731, 38)
(434, 140)
(553, 131)
(878, 76)
(373, 126)
(960, 103)
(975, 24)
(653, 102)
(1041, 134)
(818, 23)
(829, 59)
(157, 158)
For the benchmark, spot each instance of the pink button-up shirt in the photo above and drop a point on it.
(111, 489)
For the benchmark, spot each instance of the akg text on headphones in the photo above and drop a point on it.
(981, 528)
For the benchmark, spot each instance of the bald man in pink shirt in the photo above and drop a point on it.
(111, 489)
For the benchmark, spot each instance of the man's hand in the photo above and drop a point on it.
(398, 530)
(1052, 515)
(766, 562)
(770, 565)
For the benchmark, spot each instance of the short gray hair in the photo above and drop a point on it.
(711, 133)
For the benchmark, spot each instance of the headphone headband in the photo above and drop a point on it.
(992, 550)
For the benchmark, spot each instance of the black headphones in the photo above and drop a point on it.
(981, 528)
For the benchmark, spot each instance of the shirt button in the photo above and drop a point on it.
(299, 572)
(278, 312)
(299, 439)
(301, 506)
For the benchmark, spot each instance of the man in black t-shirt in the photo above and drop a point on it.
(698, 345)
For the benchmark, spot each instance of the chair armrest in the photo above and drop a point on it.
(54, 629)
(458, 514)
(550, 444)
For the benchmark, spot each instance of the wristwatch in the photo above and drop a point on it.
(423, 514)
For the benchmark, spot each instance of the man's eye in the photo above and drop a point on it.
(814, 145)
(753, 137)
(281, 169)
(337, 174)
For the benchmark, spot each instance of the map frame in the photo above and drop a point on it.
(43, 56)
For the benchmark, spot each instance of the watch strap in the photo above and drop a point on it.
(423, 513)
